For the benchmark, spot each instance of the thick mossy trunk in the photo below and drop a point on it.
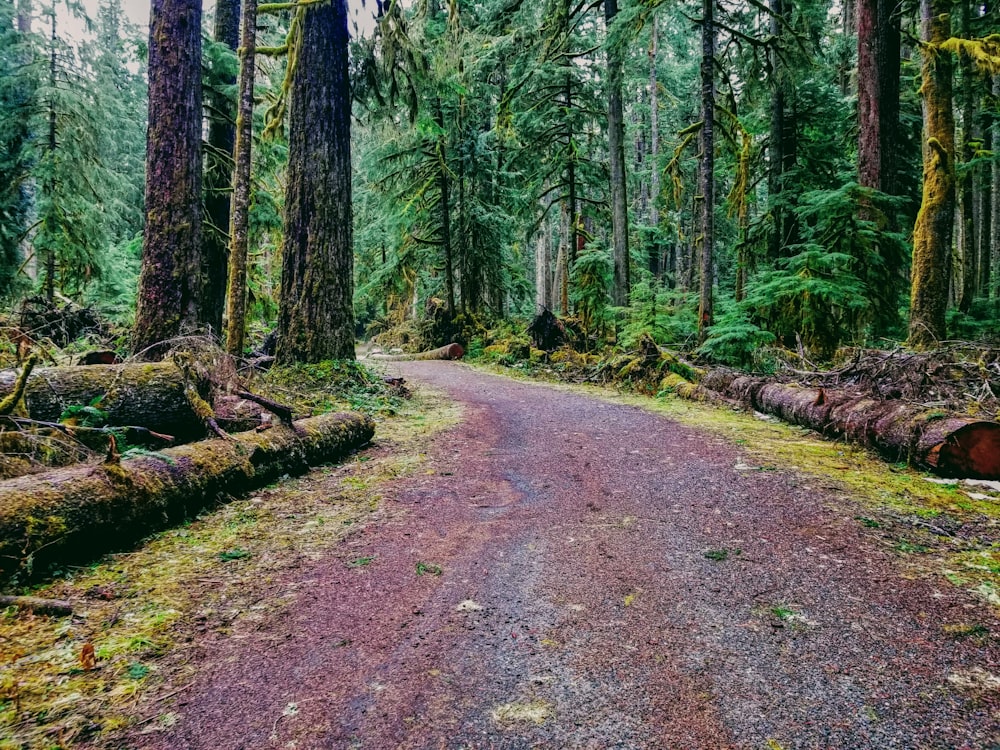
(316, 314)
(76, 513)
(170, 288)
(148, 395)
(932, 233)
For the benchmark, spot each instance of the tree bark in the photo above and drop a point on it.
(951, 445)
(616, 152)
(219, 177)
(656, 257)
(995, 192)
(967, 253)
(542, 271)
(775, 143)
(73, 514)
(170, 289)
(239, 212)
(986, 225)
(316, 315)
(932, 233)
(148, 395)
(448, 351)
(707, 178)
(878, 93)
(444, 196)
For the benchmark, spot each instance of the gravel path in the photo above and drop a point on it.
(608, 579)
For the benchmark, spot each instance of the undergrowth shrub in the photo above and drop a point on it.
(735, 339)
(331, 385)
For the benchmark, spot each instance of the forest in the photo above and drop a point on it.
(731, 179)
(234, 244)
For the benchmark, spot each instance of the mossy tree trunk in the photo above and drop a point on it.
(657, 264)
(621, 282)
(967, 183)
(316, 315)
(74, 513)
(149, 395)
(170, 288)
(444, 197)
(707, 177)
(239, 214)
(218, 176)
(932, 235)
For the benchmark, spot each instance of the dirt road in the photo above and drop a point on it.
(579, 574)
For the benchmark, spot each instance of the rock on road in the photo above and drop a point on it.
(576, 607)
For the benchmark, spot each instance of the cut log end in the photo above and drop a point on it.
(972, 451)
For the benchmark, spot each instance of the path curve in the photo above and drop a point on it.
(576, 606)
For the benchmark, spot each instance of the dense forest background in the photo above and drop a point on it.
(725, 176)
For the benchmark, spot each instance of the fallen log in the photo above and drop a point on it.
(950, 444)
(147, 394)
(449, 351)
(52, 607)
(80, 511)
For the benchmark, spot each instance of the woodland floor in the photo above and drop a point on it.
(561, 570)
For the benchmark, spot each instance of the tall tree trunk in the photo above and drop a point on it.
(656, 258)
(542, 272)
(24, 16)
(444, 190)
(775, 143)
(705, 306)
(878, 93)
(987, 119)
(239, 213)
(932, 234)
(616, 152)
(995, 208)
(49, 185)
(966, 183)
(316, 315)
(561, 282)
(218, 177)
(170, 291)
(572, 225)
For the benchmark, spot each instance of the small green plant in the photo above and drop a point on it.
(784, 612)
(233, 554)
(137, 670)
(85, 416)
(871, 523)
(361, 562)
(429, 568)
(905, 545)
(721, 554)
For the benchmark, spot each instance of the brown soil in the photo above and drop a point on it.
(580, 574)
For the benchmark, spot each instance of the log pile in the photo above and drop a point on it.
(950, 444)
(78, 512)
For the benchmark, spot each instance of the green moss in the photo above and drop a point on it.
(142, 606)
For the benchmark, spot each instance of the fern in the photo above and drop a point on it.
(735, 339)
